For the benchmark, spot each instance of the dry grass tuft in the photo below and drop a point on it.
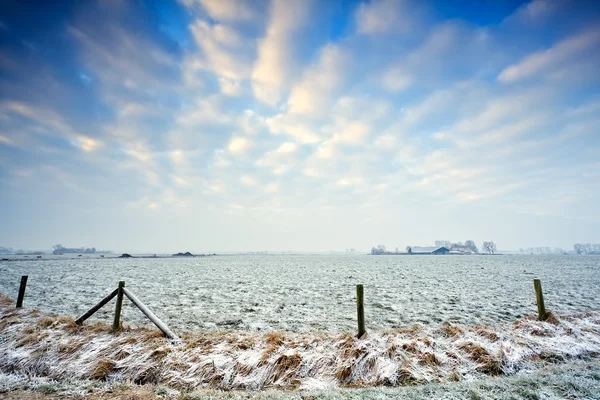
(150, 375)
(35, 337)
(451, 330)
(275, 338)
(429, 359)
(102, 369)
(551, 318)
(405, 377)
(454, 376)
(286, 365)
(343, 373)
(411, 347)
(245, 343)
(98, 327)
(267, 354)
(29, 330)
(5, 300)
(153, 334)
(160, 353)
(487, 334)
(391, 351)
(488, 364)
(70, 347)
(46, 322)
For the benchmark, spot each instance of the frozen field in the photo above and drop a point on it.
(308, 293)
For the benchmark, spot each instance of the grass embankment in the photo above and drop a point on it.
(35, 344)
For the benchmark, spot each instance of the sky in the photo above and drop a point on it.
(288, 125)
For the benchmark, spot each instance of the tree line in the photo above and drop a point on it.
(587, 248)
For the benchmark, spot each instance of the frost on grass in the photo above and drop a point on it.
(35, 344)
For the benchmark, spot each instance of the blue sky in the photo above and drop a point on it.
(212, 125)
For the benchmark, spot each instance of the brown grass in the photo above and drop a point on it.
(275, 338)
(286, 365)
(551, 318)
(411, 347)
(488, 364)
(454, 376)
(70, 347)
(429, 359)
(160, 353)
(103, 369)
(451, 330)
(487, 334)
(5, 300)
(46, 322)
(267, 354)
(343, 373)
(405, 377)
(32, 338)
(391, 351)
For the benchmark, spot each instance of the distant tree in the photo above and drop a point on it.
(397, 250)
(471, 246)
(489, 247)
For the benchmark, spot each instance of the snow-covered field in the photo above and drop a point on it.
(311, 293)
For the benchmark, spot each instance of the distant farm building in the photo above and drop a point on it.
(428, 250)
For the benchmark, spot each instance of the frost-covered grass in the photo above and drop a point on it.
(36, 344)
(573, 380)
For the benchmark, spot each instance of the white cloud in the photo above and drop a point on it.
(230, 87)
(312, 94)
(396, 79)
(293, 127)
(355, 132)
(226, 10)
(276, 59)
(239, 144)
(248, 180)
(382, 16)
(87, 143)
(287, 147)
(224, 52)
(566, 51)
(272, 188)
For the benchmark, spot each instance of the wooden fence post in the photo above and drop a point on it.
(117, 321)
(360, 310)
(98, 306)
(537, 284)
(22, 291)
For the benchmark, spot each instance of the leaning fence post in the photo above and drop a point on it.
(537, 284)
(22, 291)
(117, 321)
(360, 310)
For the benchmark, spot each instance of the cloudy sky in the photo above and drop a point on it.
(213, 125)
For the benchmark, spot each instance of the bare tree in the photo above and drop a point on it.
(489, 247)
(469, 244)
